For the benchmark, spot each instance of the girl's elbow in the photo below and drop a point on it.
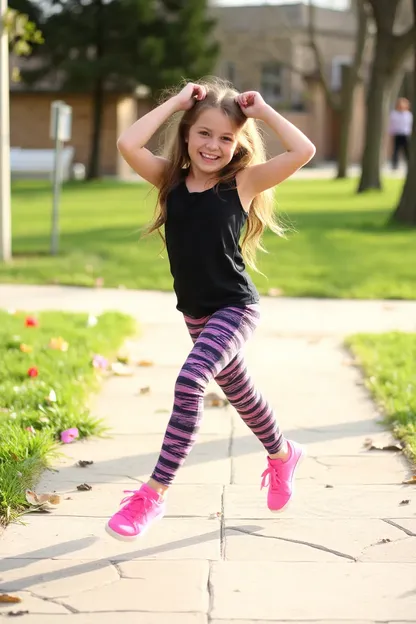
(310, 151)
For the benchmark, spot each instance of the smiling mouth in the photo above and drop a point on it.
(209, 157)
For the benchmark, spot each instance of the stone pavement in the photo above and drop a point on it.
(344, 551)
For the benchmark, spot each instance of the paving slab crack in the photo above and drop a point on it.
(222, 527)
(337, 553)
(210, 590)
(117, 569)
(398, 526)
(54, 601)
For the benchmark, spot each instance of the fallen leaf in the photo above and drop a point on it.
(404, 502)
(213, 400)
(84, 487)
(38, 500)
(24, 348)
(368, 444)
(329, 486)
(411, 481)
(92, 320)
(84, 462)
(121, 369)
(385, 540)
(16, 613)
(144, 390)
(144, 363)
(51, 398)
(58, 344)
(8, 598)
(161, 411)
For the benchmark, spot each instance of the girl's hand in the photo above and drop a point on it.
(251, 103)
(189, 95)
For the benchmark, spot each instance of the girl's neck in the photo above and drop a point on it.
(200, 180)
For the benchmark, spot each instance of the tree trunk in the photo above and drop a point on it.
(406, 209)
(346, 113)
(377, 101)
(98, 95)
(94, 168)
(349, 84)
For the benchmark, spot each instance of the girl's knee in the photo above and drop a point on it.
(191, 380)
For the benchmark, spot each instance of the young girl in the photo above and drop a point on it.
(212, 184)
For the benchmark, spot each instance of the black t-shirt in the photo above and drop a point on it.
(202, 238)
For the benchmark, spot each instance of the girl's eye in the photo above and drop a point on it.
(227, 138)
(204, 133)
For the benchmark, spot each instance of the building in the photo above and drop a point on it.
(264, 48)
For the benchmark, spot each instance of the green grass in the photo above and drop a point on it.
(340, 245)
(25, 402)
(389, 364)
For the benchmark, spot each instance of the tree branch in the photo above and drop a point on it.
(362, 11)
(332, 98)
(402, 45)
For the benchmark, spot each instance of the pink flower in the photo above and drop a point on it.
(31, 321)
(31, 430)
(33, 372)
(99, 361)
(69, 435)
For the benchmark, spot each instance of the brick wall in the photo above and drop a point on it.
(30, 120)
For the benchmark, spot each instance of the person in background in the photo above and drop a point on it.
(400, 129)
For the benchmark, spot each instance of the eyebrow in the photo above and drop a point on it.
(209, 130)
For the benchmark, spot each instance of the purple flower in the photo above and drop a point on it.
(99, 361)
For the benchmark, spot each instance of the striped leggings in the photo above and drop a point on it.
(216, 354)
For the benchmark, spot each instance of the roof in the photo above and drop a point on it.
(282, 17)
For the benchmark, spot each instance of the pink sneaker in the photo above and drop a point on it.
(140, 509)
(280, 476)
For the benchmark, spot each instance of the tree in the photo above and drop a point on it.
(17, 34)
(343, 102)
(406, 209)
(95, 46)
(390, 52)
(340, 102)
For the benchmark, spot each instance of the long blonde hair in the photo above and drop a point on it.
(250, 151)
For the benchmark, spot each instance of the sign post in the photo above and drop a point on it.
(60, 131)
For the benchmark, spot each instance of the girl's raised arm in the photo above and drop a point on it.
(131, 143)
(257, 178)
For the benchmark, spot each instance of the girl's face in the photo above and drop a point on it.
(212, 141)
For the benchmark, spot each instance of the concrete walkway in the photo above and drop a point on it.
(344, 551)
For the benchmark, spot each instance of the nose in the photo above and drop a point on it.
(212, 144)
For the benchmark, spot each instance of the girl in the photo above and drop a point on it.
(212, 184)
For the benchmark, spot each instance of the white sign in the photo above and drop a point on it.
(61, 121)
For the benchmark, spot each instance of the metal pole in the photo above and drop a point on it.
(57, 178)
(5, 212)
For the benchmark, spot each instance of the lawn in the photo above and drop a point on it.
(48, 369)
(339, 246)
(389, 365)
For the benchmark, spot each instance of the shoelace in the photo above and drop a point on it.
(134, 503)
(270, 477)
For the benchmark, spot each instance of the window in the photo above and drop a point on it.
(271, 82)
(338, 62)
